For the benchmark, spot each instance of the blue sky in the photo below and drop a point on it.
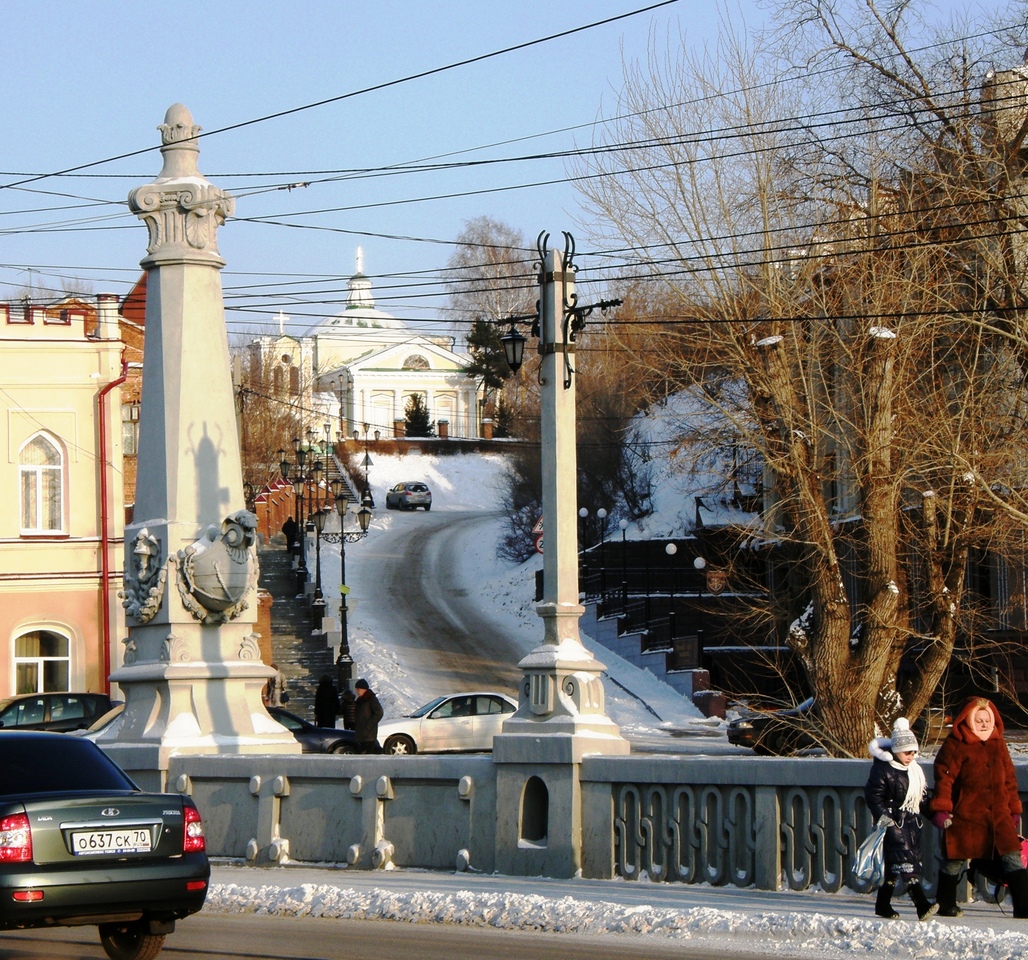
(87, 81)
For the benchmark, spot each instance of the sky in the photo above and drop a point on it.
(86, 84)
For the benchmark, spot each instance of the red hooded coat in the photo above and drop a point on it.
(975, 783)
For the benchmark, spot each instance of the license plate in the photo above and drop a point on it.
(129, 840)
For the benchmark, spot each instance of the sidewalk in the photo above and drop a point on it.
(301, 654)
(822, 925)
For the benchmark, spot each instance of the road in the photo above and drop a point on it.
(412, 579)
(251, 937)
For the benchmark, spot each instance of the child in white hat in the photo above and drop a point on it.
(896, 791)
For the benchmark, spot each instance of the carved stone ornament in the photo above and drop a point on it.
(130, 650)
(249, 647)
(181, 208)
(144, 579)
(218, 571)
(175, 648)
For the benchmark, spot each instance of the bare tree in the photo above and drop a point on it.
(491, 273)
(847, 264)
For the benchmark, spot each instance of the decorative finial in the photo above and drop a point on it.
(178, 125)
(360, 259)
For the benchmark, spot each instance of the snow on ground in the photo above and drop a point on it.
(786, 923)
(472, 482)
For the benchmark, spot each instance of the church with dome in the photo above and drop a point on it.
(360, 368)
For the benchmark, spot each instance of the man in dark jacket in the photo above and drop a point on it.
(367, 713)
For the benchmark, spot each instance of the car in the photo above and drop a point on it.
(461, 722)
(81, 844)
(409, 496)
(53, 711)
(775, 732)
(315, 739)
(790, 730)
(312, 739)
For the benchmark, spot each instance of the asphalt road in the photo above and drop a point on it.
(251, 937)
(414, 585)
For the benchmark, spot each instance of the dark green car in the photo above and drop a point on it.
(80, 843)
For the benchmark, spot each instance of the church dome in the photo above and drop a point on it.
(360, 313)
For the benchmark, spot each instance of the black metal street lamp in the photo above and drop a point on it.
(318, 603)
(344, 662)
(366, 496)
(671, 549)
(623, 524)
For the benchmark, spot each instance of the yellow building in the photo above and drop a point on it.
(62, 519)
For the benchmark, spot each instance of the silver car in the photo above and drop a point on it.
(409, 496)
(459, 722)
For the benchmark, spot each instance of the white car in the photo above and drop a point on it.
(459, 722)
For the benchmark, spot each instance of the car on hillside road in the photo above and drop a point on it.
(461, 722)
(409, 496)
(81, 844)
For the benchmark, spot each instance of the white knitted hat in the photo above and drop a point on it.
(903, 739)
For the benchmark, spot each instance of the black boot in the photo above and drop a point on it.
(883, 905)
(1018, 884)
(946, 895)
(925, 910)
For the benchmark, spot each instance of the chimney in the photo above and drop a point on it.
(107, 317)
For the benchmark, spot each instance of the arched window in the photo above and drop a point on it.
(41, 662)
(415, 362)
(41, 469)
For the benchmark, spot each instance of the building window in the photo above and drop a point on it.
(42, 662)
(41, 468)
(130, 429)
(415, 362)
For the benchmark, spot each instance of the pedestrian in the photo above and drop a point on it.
(895, 793)
(976, 804)
(274, 693)
(291, 532)
(348, 707)
(326, 703)
(366, 715)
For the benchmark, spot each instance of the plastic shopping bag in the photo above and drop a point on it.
(870, 863)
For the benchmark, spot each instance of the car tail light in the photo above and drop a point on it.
(27, 896)
(193, 840)
(15, 839)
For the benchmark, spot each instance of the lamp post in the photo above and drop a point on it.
(601, 515)
(367, 464)
(341, 384)
(344, 662)
(671, 549)
(623, 524)
(318, 603)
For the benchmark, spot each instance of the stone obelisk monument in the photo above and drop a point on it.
(191, 670)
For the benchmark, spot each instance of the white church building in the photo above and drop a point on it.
(360, 368)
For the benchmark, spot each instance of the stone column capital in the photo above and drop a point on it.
(182, 210)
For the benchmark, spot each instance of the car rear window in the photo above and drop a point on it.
(56, 764)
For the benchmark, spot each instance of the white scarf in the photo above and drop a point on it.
(917, 786)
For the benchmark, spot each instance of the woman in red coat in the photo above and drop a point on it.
(976, 804)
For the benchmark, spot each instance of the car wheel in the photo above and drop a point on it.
(130, 941)
(399, 745)
(343, 748)
(428, 507)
